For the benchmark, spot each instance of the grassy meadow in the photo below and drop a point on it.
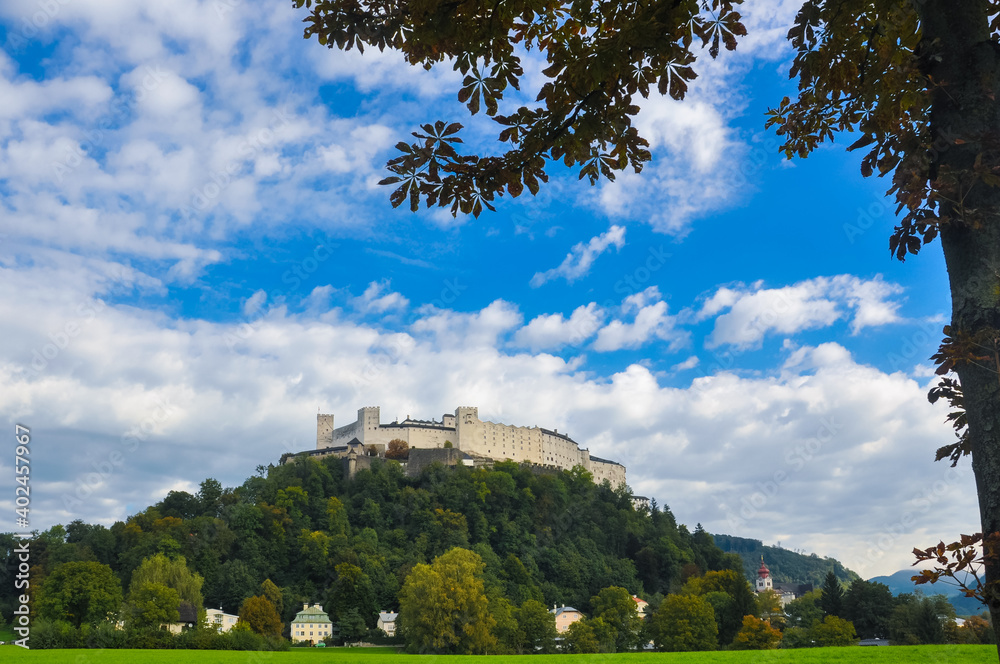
(887, 655)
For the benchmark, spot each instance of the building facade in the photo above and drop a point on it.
(565, 616)
(221, 620)
(311, 624)
(464, 431)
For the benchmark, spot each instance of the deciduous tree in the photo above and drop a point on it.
(152, 604)
(398, 449)
(833, 631)
(259, 614)
(917, 81)
(443, 606)
(80, 593)
(756, 634)
(615, 606)
(684, 623)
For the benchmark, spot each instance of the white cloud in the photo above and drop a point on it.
(755, 311)
(372, 301)
(579, 260)
(553, 331)
(798, 454)
(689, 363)
(650, 320)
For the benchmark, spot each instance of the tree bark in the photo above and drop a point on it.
(962, 61)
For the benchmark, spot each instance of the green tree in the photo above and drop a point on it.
(615, 606)
(833, 631)
(273, 594)
(352, 589)
(684, 623)
(917, 81)
(769, 608)
(580, 638)
(804, 611)
(171, 573)
(869, 606)
(443, 606)
(80, 593)
(756, 634)
(152, 604)
(831, 599)
(537, 627)
(259, 614)
(739, 599)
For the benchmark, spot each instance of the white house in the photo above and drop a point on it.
(222, 621)
(387, 622)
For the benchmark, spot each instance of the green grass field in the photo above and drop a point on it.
(886, 655)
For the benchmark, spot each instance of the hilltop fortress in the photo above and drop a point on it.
(476, 441)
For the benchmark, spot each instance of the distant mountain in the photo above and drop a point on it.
(900, 583)
(785, 566)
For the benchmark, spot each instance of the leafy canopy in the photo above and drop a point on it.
(597, 58)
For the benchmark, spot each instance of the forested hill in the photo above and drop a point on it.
(349, 544)
(785, 566)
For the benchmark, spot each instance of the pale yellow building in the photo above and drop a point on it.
(311, 624)
(565, 616)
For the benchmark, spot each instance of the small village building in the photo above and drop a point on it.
(387, 622)
(565, 616)
(640, 606)
(188, 618)
(311, 624)
(786, 591)
(220, 620)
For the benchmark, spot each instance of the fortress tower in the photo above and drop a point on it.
(324, 430)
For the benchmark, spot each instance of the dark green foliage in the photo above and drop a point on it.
(309, 535)
(921, 620)
(785, 566)
(80, 593)
(869, 606)
(832, 598)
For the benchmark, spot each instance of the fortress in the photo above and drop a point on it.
(477, 441)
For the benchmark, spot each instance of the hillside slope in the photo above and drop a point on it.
(785, 566)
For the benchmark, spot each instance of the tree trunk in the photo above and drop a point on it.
(962, 60)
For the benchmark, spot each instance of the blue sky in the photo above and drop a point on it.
(197, 257)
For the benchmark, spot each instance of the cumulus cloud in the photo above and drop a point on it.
(579, 260)
(755, 311)
(798, 453)
(649, 320)
(377, 299)
(554, 331)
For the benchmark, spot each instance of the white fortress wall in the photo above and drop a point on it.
(468, 433)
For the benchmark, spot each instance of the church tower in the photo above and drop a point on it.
(764, 581)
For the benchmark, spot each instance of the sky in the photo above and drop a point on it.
(197, 259)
